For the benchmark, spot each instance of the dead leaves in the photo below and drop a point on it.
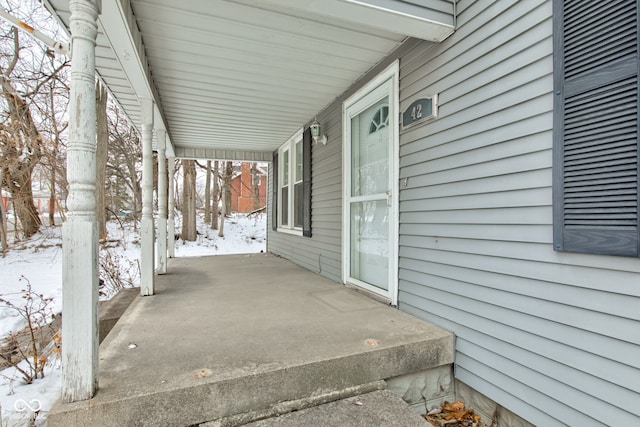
(453, 415)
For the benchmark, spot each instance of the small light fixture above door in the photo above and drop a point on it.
(316, 133)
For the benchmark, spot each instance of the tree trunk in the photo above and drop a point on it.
(226, 196)
(3, 220)
(207, 195)
(227, 187)
(256, 186)
(189, 200)
(53, 161)
(25, 211)
(52, 202)
(102, 137)
(215, 196)
(224, 213)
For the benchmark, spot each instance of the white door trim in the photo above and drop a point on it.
(385, 83)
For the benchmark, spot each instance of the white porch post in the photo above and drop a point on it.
(147, 258)
(172, 221)
(80, 231)
(161, 136)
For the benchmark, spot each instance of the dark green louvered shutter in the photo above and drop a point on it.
(596, 127)
(306, 183)
(274, 192)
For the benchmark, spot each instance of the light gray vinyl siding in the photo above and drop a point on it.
(554, 337)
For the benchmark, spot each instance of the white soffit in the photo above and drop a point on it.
(431, 20)
(238, 77)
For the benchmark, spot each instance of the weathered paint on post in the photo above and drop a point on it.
(147, 257)
(171, 221)
(161, 136)
(80, 231)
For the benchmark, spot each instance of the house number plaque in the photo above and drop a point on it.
(419, 111)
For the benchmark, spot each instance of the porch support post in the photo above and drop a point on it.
(172, 221)
(80, 230)
(161, 137)
(147, 258)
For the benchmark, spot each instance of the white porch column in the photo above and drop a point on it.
(161, 137)
(80, 231)
(172, 221)
(147, 258)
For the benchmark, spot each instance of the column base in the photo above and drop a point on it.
(79, 310)
(162, 246)
(147, 258)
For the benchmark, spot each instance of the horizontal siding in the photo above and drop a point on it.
(554, 337)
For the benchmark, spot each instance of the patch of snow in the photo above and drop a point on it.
(21, 402)
(242, 235)
(38, 261)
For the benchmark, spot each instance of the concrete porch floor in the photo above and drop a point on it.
(238, 337)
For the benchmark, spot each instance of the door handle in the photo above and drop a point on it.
(388, 193)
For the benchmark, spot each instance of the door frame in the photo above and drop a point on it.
(388, 83)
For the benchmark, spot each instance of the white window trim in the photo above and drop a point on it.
(290, 145)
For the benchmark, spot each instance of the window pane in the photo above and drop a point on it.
(284, 206)
(285, 168)
(298, 204)
(370, 242)
(299, 161)
(370, 142)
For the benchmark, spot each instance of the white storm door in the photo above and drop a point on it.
(370, 192)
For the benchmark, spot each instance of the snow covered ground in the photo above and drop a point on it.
(39, 261)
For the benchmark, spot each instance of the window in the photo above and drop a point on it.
(292, 185)
(596, 127)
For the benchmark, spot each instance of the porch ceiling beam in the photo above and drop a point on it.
(423, 22)
(119, 26)
(222, 154)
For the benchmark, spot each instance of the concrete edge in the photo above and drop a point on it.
(282, 408)
(184, 404)
(111, 310)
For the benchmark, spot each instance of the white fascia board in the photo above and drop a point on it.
(376, 16)
(120, 28)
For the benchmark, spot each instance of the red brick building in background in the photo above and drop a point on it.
(243, 198)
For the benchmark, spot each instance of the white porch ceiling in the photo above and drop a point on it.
(235, 79)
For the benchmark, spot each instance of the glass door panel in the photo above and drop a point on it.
(368, 198)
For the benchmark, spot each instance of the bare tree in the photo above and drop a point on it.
(3, 220)
(102, 137)
(215, 196)
(226, 195)
(20, 145)
(29, 82)
(207, 194)
(54, 155)
(228, 174)
(123, 165)
(256, 186)
(189, 200)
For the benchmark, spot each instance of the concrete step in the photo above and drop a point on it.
(378, 408)
(217, 345)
